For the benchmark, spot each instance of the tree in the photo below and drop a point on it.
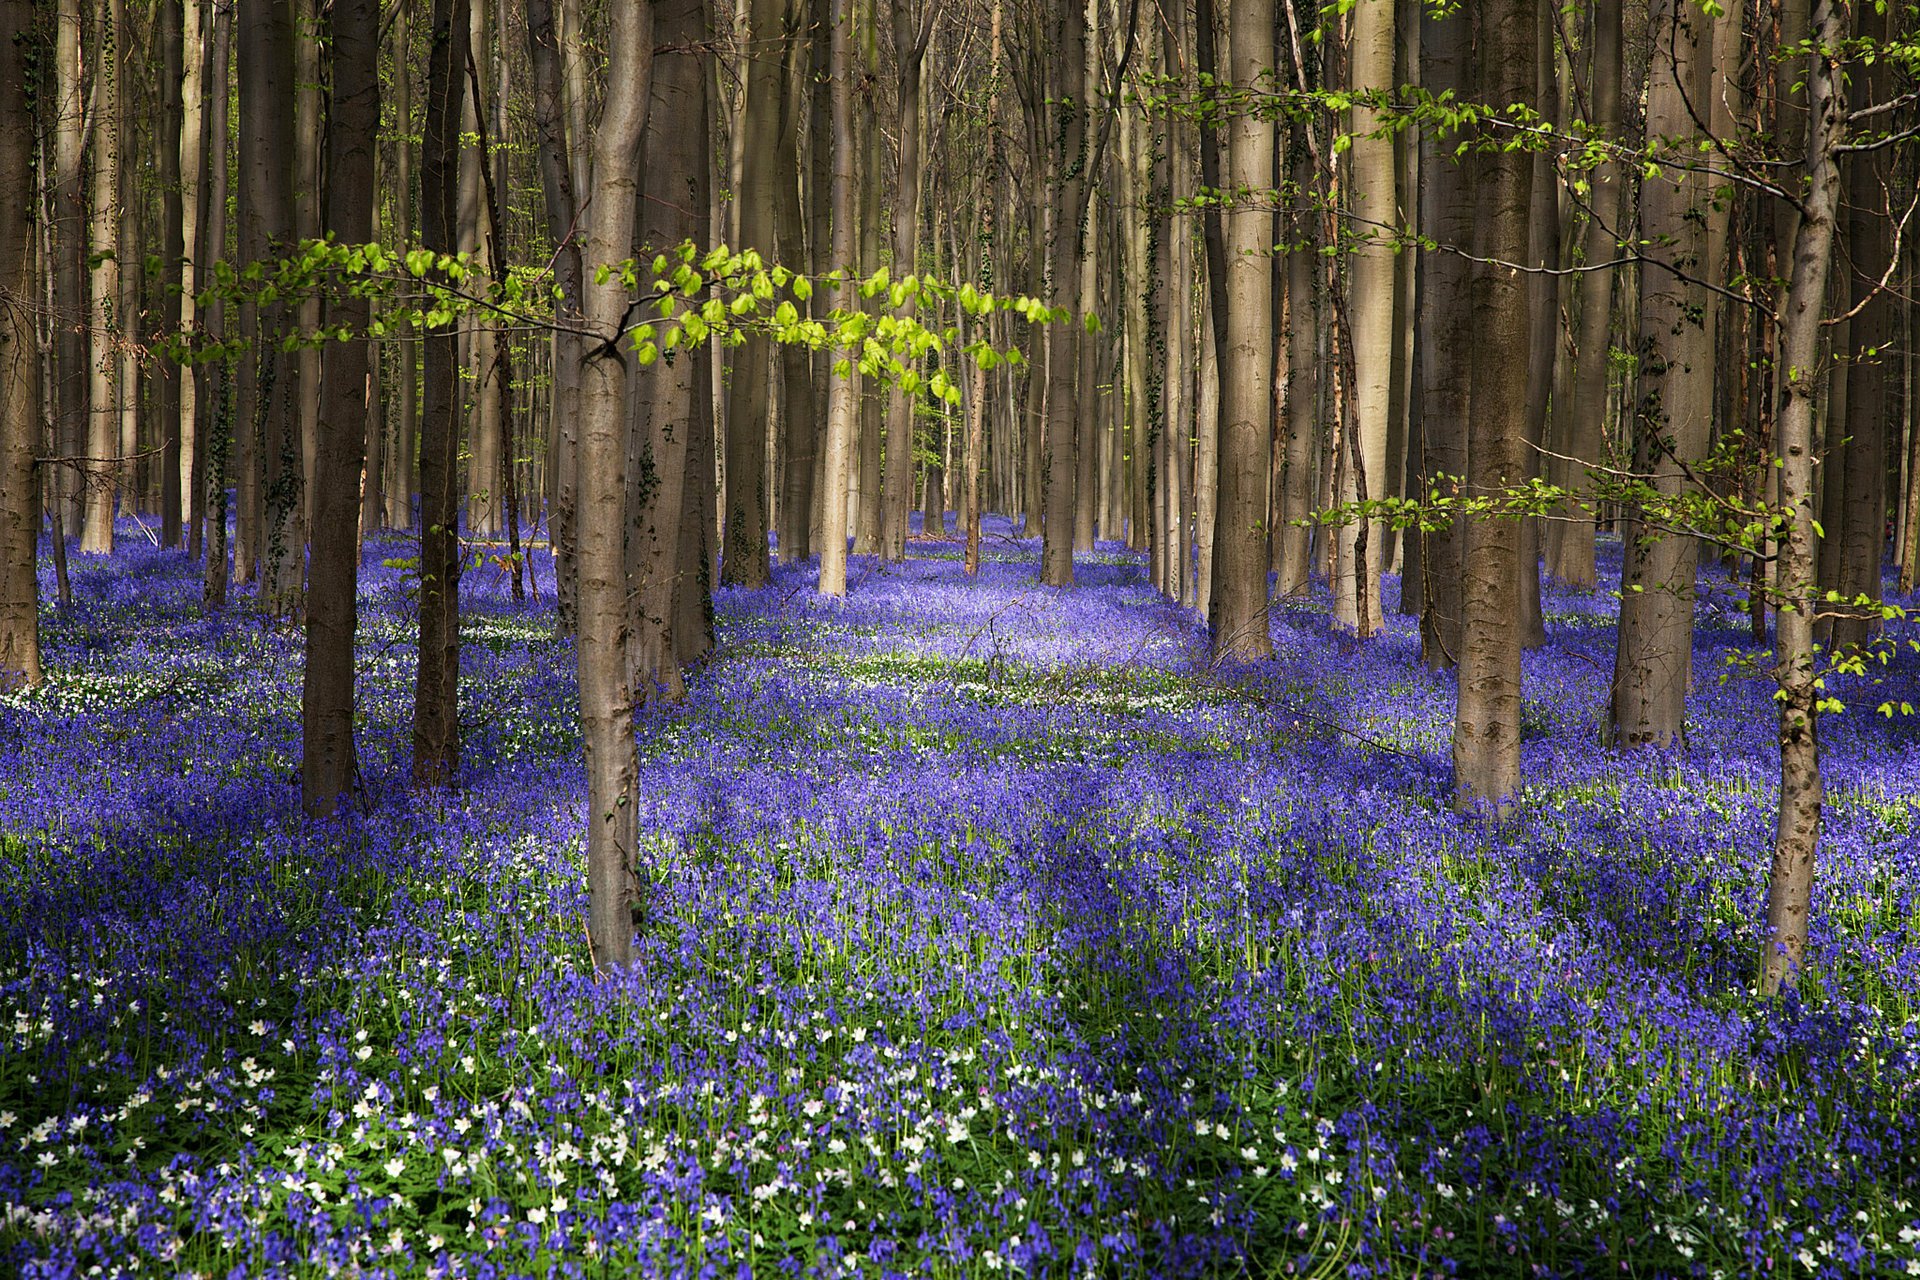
(436, 697)
(1067, 104)
(843, 391)
(1486, 724)
(911, 34)
(328, 764)
(19, 357)
(1237, 615)
(104, 324)
(1653, 662)
(606, 695)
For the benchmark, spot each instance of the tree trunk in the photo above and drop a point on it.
(19, 359)
(1237, 616)
(1861, 529)
(1445, 301)
(1356, 596)
(105, 328)
(1291, 568)
(796, 363)
(911, 31)
(843, 391)
(486, 445)
(400, 475)
(436, 697)
(1653, 662)
(1486, 722)
(328, 765)
(1543, 306)
(192, 172)
(1570, 552)
(606, 697)
(170, 17)
(1068, 102)
(675, 164)
(70, 322)
(561, 208)
(744, 558)
(267, 153)
(215, 408)
(1797, 829)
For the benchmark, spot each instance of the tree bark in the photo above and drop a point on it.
(744, 560)
(436, 697)
(911, 31)
(1445, 301)
(400, 475)
(215, 407)
(561, 207)
(1068, 101)
(843, 391)
(1237, 616)
(267, 152)
(170, 18)
(606, 696)
(329, 766)
(796, 363)
(1356, 595)
(72, 387)
(1653, 660)
(19, 358)
(1486, 723)
(1797, 827)
(105, 327)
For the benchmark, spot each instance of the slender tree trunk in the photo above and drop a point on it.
(436, 697)
(169, 17)
(843, 391)
(400, 475)
(676, 161)
(561, 208)
(1571, 557)
(71, 319)
(1653, 662)
(1543, 307)
(911, 31)
(1373, 266)
(1486, 724)
(1861, 529)
(606, 696)
(796, 362)
(267, 234)
(744, 558)
(1303, 316)
(306, 226)
(1797, 831)
(486, 445)
(215, 408)
(1237, 616)
(19, 358)
(329, 767)
(1069, 129)
(106, 329)
(1447, 214)
(193, 182)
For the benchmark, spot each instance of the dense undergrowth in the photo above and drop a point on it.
(989, 932)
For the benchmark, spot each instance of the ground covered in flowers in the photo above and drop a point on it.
(989, 931)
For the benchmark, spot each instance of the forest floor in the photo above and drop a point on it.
(988, 930)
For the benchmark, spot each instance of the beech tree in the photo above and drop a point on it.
(19, 358)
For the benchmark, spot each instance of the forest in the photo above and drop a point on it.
(942, 638)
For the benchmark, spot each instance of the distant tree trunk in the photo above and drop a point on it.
(436, 697)
(843, 390)
(329, 766)
(1797, 831)
(72, 386)
(1447, 214)
(486, 444)
(106, 328)
(1861, 529)
(606, 696)
(307, 164)
(19, 358)
(693, 635)
(561, 207)
(911, 32)
(193, 179)
(1543, 306)
(796, 363)
(1486, 723)
(1293, 541)
(1570, 551)
(266, 234)
(215, 408)
(400, 474)
(744, 558)
(169, 17)
(1237, 616)
(1068, 101)
(1374, 264)
(1653, 661)
(676, 165)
